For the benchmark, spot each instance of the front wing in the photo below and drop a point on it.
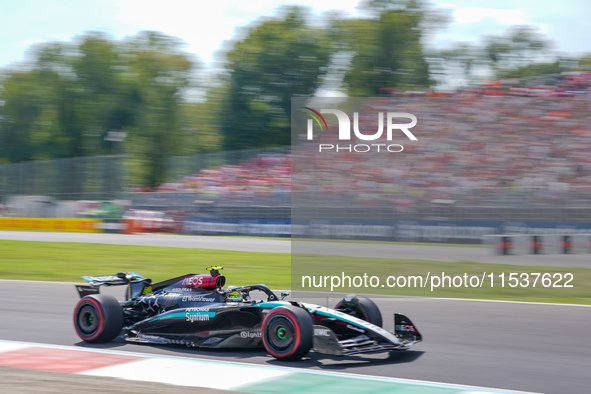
(372, 339)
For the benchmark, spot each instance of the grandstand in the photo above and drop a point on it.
(521, 153)
(509, 150)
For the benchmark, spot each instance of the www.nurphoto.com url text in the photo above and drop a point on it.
(441, 280)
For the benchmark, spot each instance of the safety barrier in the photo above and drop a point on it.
(123, 226)
(519, 238)
(73, 225)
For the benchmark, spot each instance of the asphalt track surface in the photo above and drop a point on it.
(380, 250)
(513, 346)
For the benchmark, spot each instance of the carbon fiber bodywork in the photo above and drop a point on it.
(197, 311)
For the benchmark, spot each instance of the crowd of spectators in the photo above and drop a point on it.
(499, 143)
(495, 144)
(265, 175)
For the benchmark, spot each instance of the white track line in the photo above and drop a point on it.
(393, 297)
(185, 373)
(278, 371)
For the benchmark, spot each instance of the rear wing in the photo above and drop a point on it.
(137, 282)
(121, 278)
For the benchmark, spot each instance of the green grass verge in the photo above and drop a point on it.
(53, 261)
(317, 265)
(64, 261)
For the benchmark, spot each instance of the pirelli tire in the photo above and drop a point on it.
(287, 332)
(362, 308)
(98, 318)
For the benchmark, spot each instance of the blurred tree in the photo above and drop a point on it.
(585, 61)
(38, 103)
(73, 94)
(157, 71)
(518, 47)
(279, 59)
(199, 123)
(532, 70)
(107, 102)
(387, 47)
(465, 57)
(521, 51)
(20, 111)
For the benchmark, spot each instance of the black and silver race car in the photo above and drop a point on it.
(196, 310)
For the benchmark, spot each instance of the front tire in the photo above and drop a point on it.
(287, 332)
(98, 318)
(362, 308)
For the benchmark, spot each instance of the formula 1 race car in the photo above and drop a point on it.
(197, 311)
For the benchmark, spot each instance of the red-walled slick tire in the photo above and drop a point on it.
(362, 308)
(287, 332)
(98, 318)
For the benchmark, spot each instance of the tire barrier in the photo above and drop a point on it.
(501, 244)
(515, 244)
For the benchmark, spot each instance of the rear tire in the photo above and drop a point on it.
(362, 308)
(98, 318)
(287, 332)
